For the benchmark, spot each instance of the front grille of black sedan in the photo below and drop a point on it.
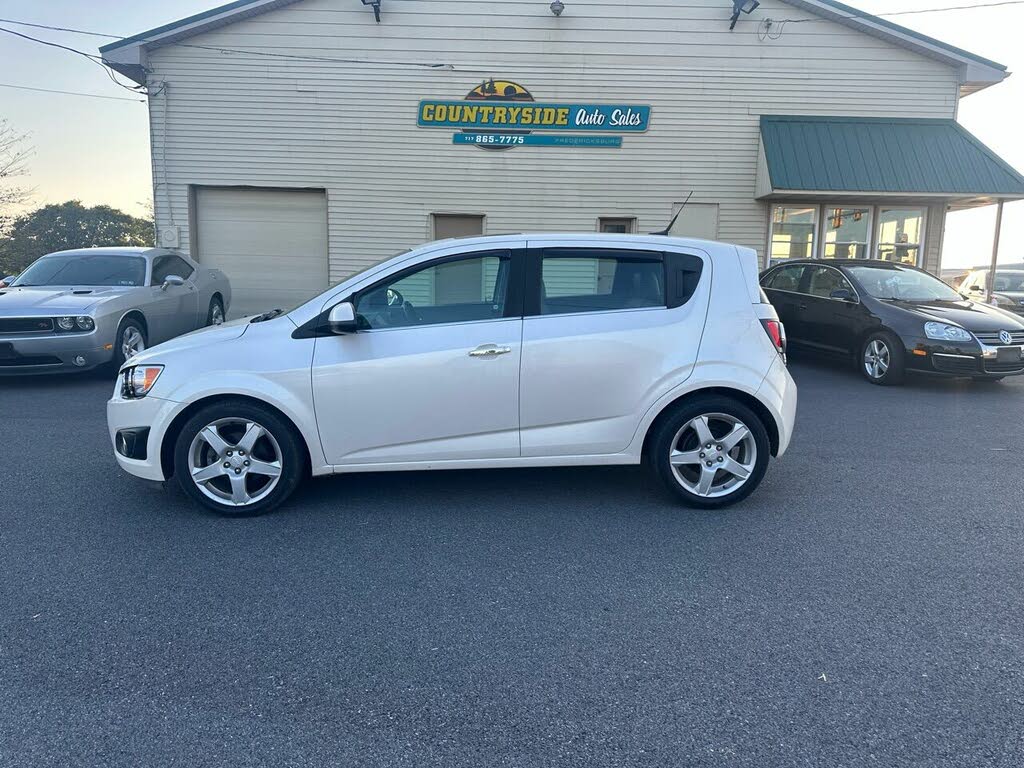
(955, 363)
(26, 325)
(991, 338)
(991, 366)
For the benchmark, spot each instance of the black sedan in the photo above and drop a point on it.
(891, 318)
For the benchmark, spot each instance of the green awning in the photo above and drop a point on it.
(859, 156)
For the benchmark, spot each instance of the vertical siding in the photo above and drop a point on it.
(350, 128)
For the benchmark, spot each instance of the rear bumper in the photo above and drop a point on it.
(778, 393)
(49, 354)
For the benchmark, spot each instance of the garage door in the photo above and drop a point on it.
(271, 243)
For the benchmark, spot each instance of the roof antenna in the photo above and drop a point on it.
(668, 230)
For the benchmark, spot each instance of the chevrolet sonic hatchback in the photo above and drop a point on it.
(513, 351)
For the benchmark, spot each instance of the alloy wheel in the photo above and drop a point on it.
(713, 455)
(216, 314)
(877, 359)
(132, 342)
(235, 461)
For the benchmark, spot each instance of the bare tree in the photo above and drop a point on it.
(13, 163)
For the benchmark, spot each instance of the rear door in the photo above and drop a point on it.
(605, 328)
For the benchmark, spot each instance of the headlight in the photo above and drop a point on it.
(66, 323)
(944, 332)
(138, 380)
(85, 322)
(1003, 301)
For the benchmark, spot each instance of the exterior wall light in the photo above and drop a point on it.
(375, 4)
(557, 7)
(742, 6)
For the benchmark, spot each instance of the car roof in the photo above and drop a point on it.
(115, 251)
(877, 263)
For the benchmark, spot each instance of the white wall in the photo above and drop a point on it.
(351, 128)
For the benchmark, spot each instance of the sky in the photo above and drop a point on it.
(97, 150)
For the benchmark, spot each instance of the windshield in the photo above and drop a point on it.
(1010, 281)
(902, 284)
(85, 269)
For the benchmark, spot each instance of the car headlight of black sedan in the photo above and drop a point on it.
(946, 332)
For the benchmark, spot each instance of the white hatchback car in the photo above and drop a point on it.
(512, 351)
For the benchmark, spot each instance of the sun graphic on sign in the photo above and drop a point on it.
(497, 90)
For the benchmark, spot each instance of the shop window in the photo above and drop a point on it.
(794, 228)
(847, 232)
(618, 226)
(900, 234)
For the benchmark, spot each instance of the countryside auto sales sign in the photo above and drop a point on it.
(503, 114)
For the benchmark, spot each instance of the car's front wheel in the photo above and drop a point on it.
(238, 458)
(881, 359)
(711, 452)
(131, 340)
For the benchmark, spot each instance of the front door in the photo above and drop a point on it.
(827, 323)
(433, 373)
(173, 309)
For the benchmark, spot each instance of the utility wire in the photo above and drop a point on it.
(71, 93)
(59, 29)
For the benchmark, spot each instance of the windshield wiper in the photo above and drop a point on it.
(267, 316)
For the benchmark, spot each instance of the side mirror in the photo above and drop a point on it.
(843, 294)
(342, 318)
(172, 280)
(976, 289)
(6, 281)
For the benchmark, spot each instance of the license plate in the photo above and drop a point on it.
(6, 351)
(1009, 354)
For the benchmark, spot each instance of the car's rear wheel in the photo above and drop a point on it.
(711, 452)
(881, 359)
(238, 458)
(215, 315)
(130, 340)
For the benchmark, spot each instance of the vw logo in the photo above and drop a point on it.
(1005, 337)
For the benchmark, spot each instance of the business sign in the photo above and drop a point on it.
(503, 114)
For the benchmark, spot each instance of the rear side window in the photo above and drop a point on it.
(785, 278)
(587, 280)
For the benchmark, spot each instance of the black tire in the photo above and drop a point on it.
(894, 359)
(674, 434)
(216, 305)
(283, 446)
(129, 323)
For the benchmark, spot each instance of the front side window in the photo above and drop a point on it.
(601, 281)
(896, 283)
(847, 233)
(87, 269)
(785, 278)
(825, 280)
(457, 290)
(900, 234)
(793, 232)
(165, 266)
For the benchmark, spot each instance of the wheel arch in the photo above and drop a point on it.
(170, 436)
(135, 314)
(744, 398)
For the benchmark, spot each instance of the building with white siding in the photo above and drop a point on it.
(297, 141)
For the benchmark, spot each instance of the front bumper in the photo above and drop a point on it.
(20, 355)
(963, 359)
(127, 421)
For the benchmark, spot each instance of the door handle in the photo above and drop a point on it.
(490, 350)
(803, 307)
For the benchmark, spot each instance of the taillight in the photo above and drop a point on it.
(777, 333)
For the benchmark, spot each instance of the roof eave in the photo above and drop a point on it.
(976, 72)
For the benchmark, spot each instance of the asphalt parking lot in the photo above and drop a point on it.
(864, 607)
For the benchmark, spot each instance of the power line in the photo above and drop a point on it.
(71, 93)
(59, 29)
(866, 15)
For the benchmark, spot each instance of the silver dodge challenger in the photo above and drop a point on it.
(76, 310)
